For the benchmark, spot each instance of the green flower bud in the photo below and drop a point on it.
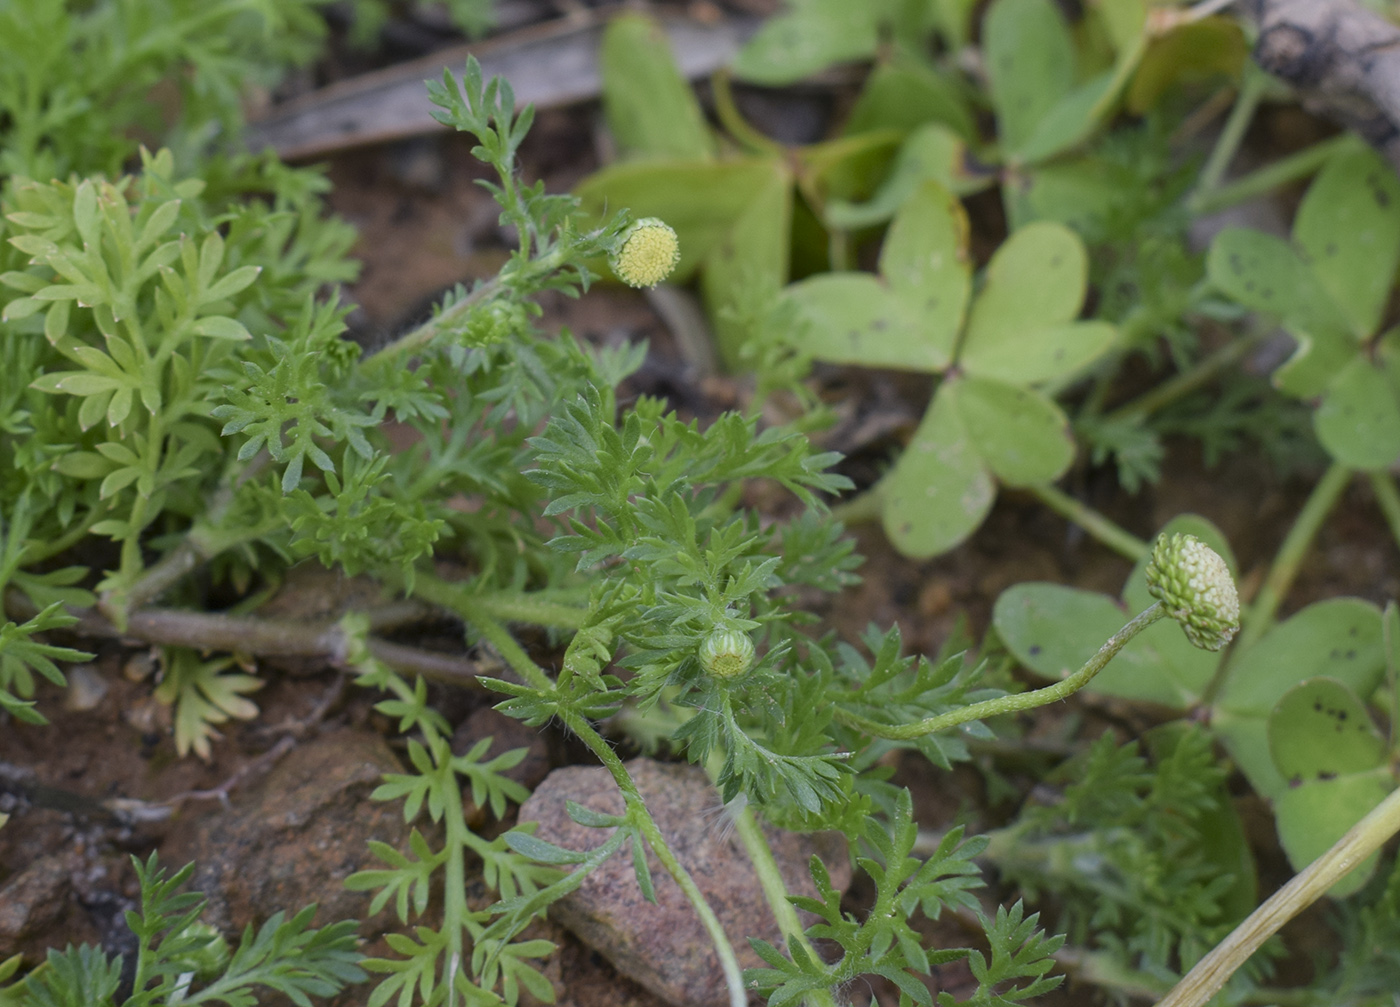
(1195, 587)
(727, 653)
(646, 253)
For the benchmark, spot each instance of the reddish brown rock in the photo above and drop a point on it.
(296, 838)
(663, 946)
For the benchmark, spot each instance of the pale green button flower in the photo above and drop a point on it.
(646, 253)
(1195, 587)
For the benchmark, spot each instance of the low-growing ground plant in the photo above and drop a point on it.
(180, 396)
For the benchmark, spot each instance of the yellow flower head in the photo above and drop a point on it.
(646, 253)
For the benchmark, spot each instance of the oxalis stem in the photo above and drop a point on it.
(1290, 555)
(1121, 541)
(1010, 704)
(1212, 971)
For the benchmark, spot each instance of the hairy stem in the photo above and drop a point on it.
(495, 633)
(646, 826)
(1121, 541)
(455, 910)
(637, 811)
(1290, 555)
(1212, 971)
(770, 879)
(1014, 703)
(468, 601)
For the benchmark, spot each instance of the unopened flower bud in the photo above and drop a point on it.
(727, 653)
(1195, 587)
(646, 253)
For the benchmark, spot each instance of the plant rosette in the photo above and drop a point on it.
(1288, 755)
(987, 421)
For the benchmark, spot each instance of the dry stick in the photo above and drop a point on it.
(263, 637)
(1212, 971)
(1343, 59)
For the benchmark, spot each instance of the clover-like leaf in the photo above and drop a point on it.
(1329, 287)
(1021, 435)
(909, 317)
(1019, 328)
(1339, 638)
(1348, 227)
(940, 490)
(1358, 419)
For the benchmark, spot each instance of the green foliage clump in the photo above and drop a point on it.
(180, 960)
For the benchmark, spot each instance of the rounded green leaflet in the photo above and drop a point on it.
(933, 152)
(1348, 225)
(650, 107)
(1312, 816)
(925, 257)
(1320, 730)
(1339, 638)
(810, 36)
(1034, 283)
(939, 490)
(1267, 274)
(1026, 357)
(910, 321)
(1021, 434)
(1029, 56)
(1358, 420)
(852, 318)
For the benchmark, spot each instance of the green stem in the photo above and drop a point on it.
(734, 122)
(511, 652)
(35, 552)
(636, 805)
(1388, 500)
(1121, 541)
(1212, 971)
(455, 910)
(1287, 169)
(535, 676)
(646, 826)
(860, 508)
(770, 879)
(1290, 555)
(1194, 377)
(536, 608)
(1010, 704)
(1252, 86)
